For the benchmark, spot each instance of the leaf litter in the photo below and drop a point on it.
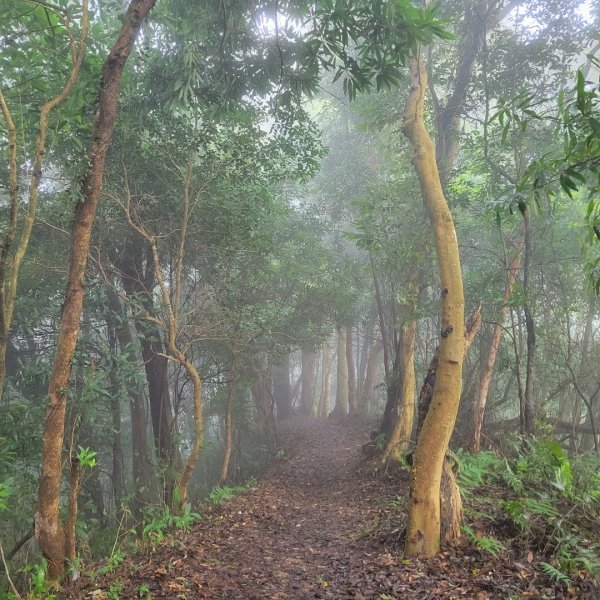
(320, 524)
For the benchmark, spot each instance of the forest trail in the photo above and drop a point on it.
(318, 525)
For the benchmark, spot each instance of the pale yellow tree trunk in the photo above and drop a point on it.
(423, 529)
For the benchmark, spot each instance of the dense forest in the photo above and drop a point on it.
(343, 253)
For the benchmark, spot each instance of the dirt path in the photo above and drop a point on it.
(319, 525)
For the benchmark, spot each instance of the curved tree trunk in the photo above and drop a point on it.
(48, 527)
(423, 529)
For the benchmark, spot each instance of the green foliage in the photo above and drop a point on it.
(159, 523)
(554, 573)
(552, 502)
(86, 457)
(40, 587)
(486, 544)
(476, 469)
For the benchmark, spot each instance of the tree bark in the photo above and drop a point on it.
(423, 529)
(308, 378)
(10, 266)
(325, 397)
(529, 407)
(141, 467)
(368, 386)
(49, 530)
(352, 391)
(231, 391)
(282, 388)
(400, 439)
(341, 389)
(138, 283)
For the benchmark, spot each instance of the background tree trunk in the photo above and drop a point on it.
(341, 389)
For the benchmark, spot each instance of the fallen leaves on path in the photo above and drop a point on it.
(319, 525)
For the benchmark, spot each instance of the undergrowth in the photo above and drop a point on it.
(538, 502)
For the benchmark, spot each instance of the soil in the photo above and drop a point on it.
(320, 524)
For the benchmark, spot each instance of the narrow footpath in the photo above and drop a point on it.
(319, 525)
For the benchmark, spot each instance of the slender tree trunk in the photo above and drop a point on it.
(141, 467)
(71, 524)
(529, 408)
(474, 442)
(400, 439)
(10, 265)
(352, 391)
(49, 530)
(261, 390)
(231, 391)
(118, 470)
(138, 284)
(308, 378)
(423, 529)
(325, 397)
(341, 389)
(282, 388)
(373, 366)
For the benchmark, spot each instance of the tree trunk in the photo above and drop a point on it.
(261, 390)
(48, 528)
(282, 388)
(118, 471)
(138, 284)
(10, 265)
(352, 392)
(529, 407)
(71, 524)
(325, 398)
(368, 387)
(400, 439)
(231, 391)
(141, 467)
(308, 378)
(474, 442)
(423, 529)
(341, 389)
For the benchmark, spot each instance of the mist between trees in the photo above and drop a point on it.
(217, 216)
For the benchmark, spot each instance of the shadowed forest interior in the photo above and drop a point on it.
(299, 299)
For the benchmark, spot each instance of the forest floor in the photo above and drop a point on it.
(320, 524)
